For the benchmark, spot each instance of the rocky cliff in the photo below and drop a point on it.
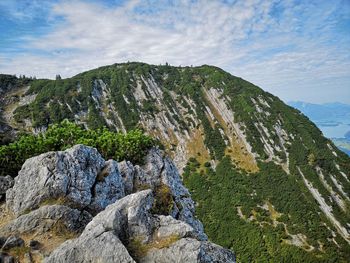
(73, 206)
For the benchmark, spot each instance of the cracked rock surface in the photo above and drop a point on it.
(104, 204)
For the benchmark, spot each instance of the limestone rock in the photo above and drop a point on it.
(127, 172)
(191, 251)
(13, 241)
(46, 218)
(6, 182)
(109, 186)
(159, 169)
(127, 217)
(78, 182)
(100, 241)
(69, 174)
(168, 226)
(105, 247)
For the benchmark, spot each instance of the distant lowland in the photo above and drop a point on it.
(333, 119)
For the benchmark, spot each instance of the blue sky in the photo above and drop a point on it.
(297, 50)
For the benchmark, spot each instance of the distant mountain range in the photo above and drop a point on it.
(333, 119)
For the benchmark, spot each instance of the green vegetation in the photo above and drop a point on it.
(163, 200)
(257, 235)
(118, 146)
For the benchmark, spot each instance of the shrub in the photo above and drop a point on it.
(131, 146)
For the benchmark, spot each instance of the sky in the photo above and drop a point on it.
(297, 50)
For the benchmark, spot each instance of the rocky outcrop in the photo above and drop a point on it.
(6, 182)
(190, 250)
(128, 222)
(68, 175)
(46, 218)
(161, 170)
(105, 207)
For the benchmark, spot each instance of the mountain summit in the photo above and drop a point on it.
(267, 184)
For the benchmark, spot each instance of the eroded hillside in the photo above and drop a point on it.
(246, 156)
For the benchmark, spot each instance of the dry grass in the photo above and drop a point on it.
(163, 200)
(55, 201)
(18, 253)
(50, 240)
(6, 216)
(196, 145)
(274, 215)
(138, 249)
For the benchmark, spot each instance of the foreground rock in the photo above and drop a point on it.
(190, 250)
(126, 231)
(104, 207)
(47, 218)
(68, 175)
(6, 182)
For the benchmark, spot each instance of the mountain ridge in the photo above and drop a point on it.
(212, 123)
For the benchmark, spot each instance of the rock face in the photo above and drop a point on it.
(161, 170)
(129, 220)
(6, 182)
(70, 187)
(69, 175)
(45, 218)
(190, 250)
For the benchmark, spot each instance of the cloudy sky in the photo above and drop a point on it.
(297, 50)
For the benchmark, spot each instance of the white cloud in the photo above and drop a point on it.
(245, 38)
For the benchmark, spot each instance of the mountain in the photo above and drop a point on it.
(266, 182)
(103, 214)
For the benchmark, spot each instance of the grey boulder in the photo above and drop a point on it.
(108, 188)
(6, 182)
(158, 170)
(101, 239)
(46, 218)
(79, 177)
(190, 250)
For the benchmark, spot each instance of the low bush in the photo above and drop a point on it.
(131, 146)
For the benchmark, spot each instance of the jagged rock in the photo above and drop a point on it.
(127, 172)
(167, 226)
(130, 219)
(13, 241)
(190, 250)
(6, 182)
(79, 176)
(79, 180)
(162, 170)
(109, 186)
(100, 241)
(47, 217)
(69, 174)
(106, 248)
(184, 205)
(128, 216)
